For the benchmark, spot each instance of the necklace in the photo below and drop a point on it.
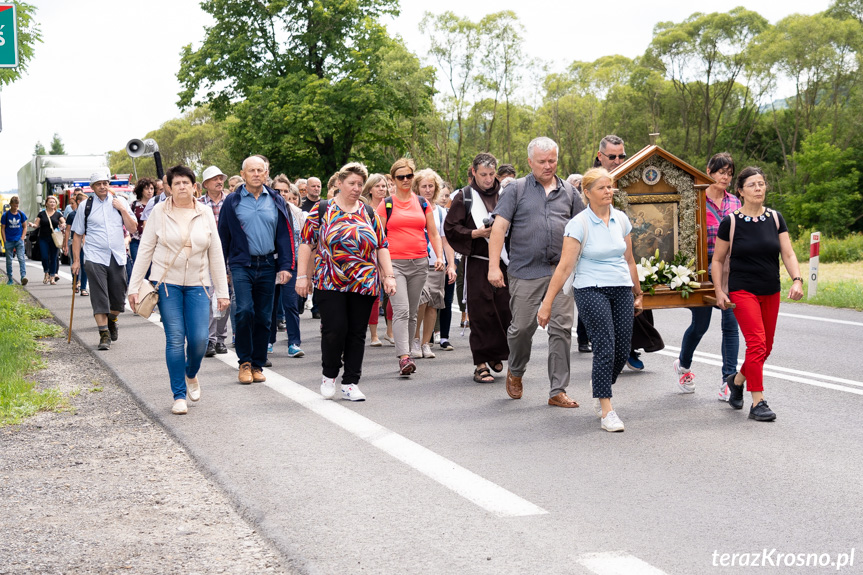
(764, 215)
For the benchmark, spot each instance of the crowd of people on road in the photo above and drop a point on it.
(514, 253)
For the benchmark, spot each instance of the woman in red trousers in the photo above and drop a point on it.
(753, 243)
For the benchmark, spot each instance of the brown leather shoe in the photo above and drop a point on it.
(245, 375)
(513, 385)
(562, 400)
(258, 375)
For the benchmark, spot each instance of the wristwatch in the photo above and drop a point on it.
(797, 279)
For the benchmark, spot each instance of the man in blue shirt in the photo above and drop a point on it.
(105, 254)
(12, 225)
(258, 247)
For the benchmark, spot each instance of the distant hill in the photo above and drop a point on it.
(10, 192)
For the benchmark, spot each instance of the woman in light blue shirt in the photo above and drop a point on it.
(605, 286)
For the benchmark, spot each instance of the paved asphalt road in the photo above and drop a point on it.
(438, 474)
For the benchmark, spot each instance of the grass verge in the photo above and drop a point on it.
(839, 285)
(20, 331)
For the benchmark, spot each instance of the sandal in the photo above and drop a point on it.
(52, 282)
(497, 367)
(483, 375)
(45, 279)
(85, 293)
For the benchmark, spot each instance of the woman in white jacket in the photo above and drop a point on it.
(182, 243)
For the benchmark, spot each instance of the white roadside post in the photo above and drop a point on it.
(814, 253)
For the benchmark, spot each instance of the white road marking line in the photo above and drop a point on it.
(464, 482)
(481, 491)
(776, 368)
(617, 563)
(778, 372)
(815, 318)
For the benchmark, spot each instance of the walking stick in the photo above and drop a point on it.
(72, 311)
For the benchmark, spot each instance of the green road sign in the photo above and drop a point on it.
(8, 37)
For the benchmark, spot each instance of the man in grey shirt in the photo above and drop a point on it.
(535, 210)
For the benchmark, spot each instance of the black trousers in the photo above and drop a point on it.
(344, 318)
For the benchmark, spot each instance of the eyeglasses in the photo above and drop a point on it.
(613, 157)
(405, 177)
(754, 185)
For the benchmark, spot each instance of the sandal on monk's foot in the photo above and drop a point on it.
(483, 375)
(497, 366)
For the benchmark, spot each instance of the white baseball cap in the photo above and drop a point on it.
(212, 172)
(99, 177)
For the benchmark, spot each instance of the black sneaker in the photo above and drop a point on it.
(316, 315)
(104, 341)
(735, 392)
(211, 350)
(268, 363)
(221, 348)
(585, 348)
(24, 281)
(112, 329)
(761, 412)
(282, 325)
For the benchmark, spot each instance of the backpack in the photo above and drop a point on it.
(88, 207)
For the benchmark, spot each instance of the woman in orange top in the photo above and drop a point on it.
(410, 227)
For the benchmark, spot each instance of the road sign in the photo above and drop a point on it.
(8, 36)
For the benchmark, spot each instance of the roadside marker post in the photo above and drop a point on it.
(8, 36)
(814, 254)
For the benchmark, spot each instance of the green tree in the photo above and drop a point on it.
(57, 148)
(305, 79)
(29, 34)
(704, 56)
(825, 194)
(39, 149)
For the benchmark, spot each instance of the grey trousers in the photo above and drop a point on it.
(410, 279)
(525, 297)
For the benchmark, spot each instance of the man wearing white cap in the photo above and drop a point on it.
(213, 182)
(101, 218)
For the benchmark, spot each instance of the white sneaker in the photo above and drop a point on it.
(597, 407)
(685, 378)
(328, 387)
(352, 393)
(723, 391)
(194, 388)
(611, 422)
(179, 407)
(427, 351)
(416, 349)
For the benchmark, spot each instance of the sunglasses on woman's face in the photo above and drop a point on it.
(405, 177)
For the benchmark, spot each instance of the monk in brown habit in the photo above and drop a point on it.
(467, 228)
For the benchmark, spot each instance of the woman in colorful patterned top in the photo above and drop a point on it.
(720, 203)
(351, 255)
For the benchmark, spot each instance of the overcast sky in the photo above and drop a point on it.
(106, 71)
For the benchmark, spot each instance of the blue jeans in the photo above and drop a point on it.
(253, 291)
(185, 312)
(287, 300)
(18, 248)
(697, 329)
(133, 253)
(49, 252)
